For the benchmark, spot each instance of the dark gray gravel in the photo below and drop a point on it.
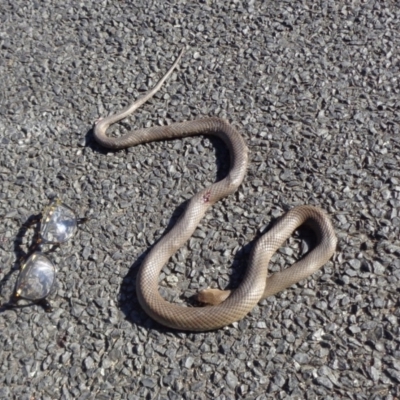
(313, 87)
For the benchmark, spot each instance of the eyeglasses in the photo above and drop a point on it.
(37, 272)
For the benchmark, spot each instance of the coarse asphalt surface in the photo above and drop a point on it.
(314, 89)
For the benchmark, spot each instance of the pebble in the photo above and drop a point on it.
(231, 380)
(302, 358)
(324, 381)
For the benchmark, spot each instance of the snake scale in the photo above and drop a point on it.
(223, 307)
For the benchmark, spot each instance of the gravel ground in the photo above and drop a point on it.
(312, 86)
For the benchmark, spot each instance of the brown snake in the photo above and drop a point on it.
(224, 307)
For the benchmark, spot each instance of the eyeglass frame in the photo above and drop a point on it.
(35, 248)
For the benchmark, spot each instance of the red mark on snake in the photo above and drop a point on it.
(206, 196)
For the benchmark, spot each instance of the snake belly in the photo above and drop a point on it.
(230, 306)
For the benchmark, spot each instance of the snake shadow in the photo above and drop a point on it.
(90, 142)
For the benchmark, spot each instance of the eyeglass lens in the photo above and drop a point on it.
(36, 277)
(58, 223)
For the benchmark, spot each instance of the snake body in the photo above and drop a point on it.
(224, 307)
